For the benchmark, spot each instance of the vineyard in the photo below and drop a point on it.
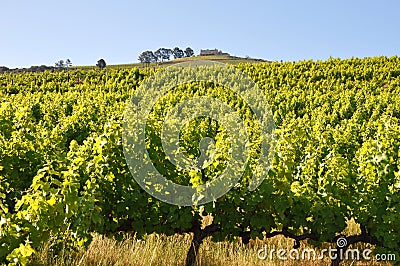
(64, 176)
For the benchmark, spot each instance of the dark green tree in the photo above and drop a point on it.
(189, 52)
(158, 55)
(147, 57)
(68, 63)
(178, 53)
(101, 64)
(60, 64)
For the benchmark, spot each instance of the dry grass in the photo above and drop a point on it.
(162, 250)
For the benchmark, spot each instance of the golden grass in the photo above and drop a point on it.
(162, 250)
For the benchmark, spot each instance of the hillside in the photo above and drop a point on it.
(66, 172)
(226, 59)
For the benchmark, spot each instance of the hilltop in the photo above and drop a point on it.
(226, 59)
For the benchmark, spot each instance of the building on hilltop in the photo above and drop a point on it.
(212, 52)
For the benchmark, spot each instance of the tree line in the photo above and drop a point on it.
(146, 57)
(101, 63)
(163, 54)
(62, 64)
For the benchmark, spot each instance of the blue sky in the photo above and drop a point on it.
(43, 32)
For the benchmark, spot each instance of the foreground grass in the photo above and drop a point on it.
(162, 250)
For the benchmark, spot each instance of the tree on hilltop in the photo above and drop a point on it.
(158, 55)
(147, 57)
(60, 64)
(167, 53)
(101, 64)
(178, 53)
(163, 54)
(189, 52)
(68, 63)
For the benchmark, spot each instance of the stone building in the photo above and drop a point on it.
(212, 52)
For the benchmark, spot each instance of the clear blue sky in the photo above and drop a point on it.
(42, 32)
